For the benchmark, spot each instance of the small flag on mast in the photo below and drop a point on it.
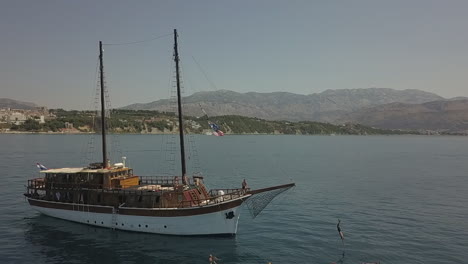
(41, 167)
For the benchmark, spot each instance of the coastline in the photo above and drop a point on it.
(226, 134)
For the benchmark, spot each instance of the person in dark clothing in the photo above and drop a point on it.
(244, 185)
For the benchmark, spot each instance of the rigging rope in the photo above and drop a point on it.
(168, 141)
(137, 42)
(204, 73)
(191, 147)
(212, 125)
(89, 140)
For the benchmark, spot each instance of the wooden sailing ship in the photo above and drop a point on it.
(111, 196)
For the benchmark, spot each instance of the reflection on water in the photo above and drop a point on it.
(59, 241)
(51, 240)
(341, 260)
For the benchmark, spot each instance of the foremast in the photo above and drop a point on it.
(179, 108)
(103, 108)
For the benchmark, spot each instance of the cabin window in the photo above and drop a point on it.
(140, 198)
(157, 199)
(99, 198)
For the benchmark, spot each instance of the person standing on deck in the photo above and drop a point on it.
(244, 185)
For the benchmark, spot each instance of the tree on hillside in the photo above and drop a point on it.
(31, 125)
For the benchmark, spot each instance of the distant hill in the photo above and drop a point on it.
(326, 106)
(443, 115)
(14, 104)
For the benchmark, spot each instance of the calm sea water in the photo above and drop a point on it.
(401, 199)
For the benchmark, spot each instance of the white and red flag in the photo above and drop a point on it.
(41, 167)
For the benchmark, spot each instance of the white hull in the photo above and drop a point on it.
(214, 223)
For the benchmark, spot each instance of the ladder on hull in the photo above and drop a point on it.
(115, 213)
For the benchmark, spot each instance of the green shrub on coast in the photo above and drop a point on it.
(129, 121)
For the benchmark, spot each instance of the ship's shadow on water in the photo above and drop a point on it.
(59, 241)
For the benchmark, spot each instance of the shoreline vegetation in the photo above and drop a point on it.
(153, 122)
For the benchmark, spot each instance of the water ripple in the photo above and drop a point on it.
(400, 199)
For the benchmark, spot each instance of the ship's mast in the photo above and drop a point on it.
(179, 107)
(103, 109)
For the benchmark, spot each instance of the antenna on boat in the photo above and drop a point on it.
(103, 108)
(179, 107)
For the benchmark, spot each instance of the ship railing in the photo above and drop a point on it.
(215, 197)
(39, 184)
(222, 192)
(36, 183)
(164, 180)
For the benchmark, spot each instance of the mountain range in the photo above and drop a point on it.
(442, 115)
(326, 106)
(378, 107)
(14, 104)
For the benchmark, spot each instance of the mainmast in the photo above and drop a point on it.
(179, 107)
(103, 109)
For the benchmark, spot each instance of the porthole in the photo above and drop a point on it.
(146, 225)
(165, 226)
(139, 225)
(87, 221)
(116, 224)
(122, 224)
(94, 221)
(102, 223)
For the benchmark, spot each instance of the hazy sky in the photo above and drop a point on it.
(48, 49)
